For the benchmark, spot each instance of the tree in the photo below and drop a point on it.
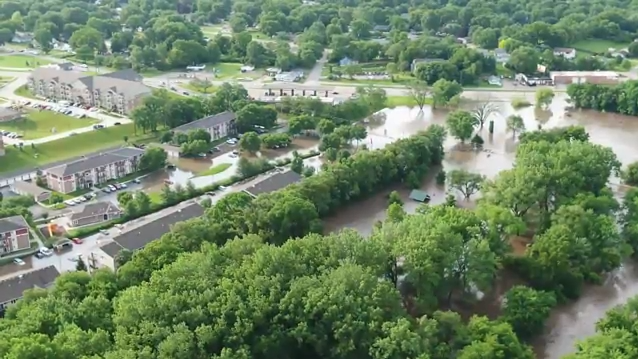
(524, 60)
(253, 114)
(526, 310)
(87, 37)
(419, 92)
(80, 266)
(123, 198)
(325, 126)
(202, 85)
(297, 163)
(153, 159)
(516, 124)
(630, 175)
(461, 124)
(544, 97)
(444, 91)
(250, 142)
(483, 111)
(465, 182)
(85, 54)
(44, 38)
(395, 197)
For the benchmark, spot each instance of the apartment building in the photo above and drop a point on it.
(119, 92)
(14, 234)
(93, 170)
(12, 289)
(219, 126)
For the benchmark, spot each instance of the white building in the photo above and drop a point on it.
(567, 53)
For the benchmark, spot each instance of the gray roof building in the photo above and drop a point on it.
(207, 122)
(139, 237)
(12, 289)
(91, 162)
(274, 183)
(8, 114)
(95, 209)
(13, 223)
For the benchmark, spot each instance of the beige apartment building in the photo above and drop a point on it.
(14, 234)
(118, 92)
(94, 170)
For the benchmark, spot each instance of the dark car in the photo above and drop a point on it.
(116, 124)
(38, 255)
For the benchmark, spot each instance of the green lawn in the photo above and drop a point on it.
(212, 30)
(395, 101)
(229, 70)
(194, 88)
(23, 91)
(214, 170)
(591, 46)
(38, 124)
(68, 147)
(22, 61)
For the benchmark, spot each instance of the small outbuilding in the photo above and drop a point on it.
(419, 196)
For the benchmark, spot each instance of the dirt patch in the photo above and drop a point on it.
(519, 244)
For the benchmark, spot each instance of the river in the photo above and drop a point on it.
(570, 322)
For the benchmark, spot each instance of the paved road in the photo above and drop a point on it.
(315, 74)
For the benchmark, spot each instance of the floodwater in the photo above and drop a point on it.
(568, 323)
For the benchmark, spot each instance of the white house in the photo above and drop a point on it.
(567, 53)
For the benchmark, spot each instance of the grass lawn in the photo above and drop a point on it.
(194, 88)
(230, 70)
(212, 30)
(396, 101)
(69, 147)
(156, 197)
(592, 46)
(22, 61)
(23, 91)
(38, 124)
(215, 170)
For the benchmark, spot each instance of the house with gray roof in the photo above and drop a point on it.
(94, 213)
(138, 237)
(119, 91)
(14, 234)
(12, 289)
(219, 126)
(28, 188)
(93, 170)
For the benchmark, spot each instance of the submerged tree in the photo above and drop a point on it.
(483, 111)
(515, 124)
(465, 182)
(419, 92)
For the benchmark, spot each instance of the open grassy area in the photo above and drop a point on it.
(395, 101)
(230, 70)
(198, 89)
(22, 61)
(69, 147)
(23, 91)
(214, 170)
(38, 124)
(592, 46)
(212, 30)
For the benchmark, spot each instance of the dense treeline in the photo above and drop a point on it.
(621, 98)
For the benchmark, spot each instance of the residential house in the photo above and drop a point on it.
(14, 234)
(12, 289)
(501, 56)
(567, 53)
(416, 62)
(219, 126)
(22, 38)
(274, 183)
(25, 188)
(171, 151)
(579, 77)
(93, 170)
(346, 61)
(120, 91)
(94, 213)
(138, 237)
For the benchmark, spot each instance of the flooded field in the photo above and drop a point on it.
(570, 322)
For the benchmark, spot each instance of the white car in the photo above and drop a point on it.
(19, 261)
(46, 251)
(69, 203)
(112, 188)
(123, 185)
(231, 142)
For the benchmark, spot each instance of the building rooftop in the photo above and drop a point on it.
(207, 122)
(139, 237)
(29, 187)
(126, 82)
(13, 288)
(9, 114)
(295, 86)
(274, 183)
(91, 162)
(95, 209)
(13, 223)
(585, 73)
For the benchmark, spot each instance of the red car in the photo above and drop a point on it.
(77, 240)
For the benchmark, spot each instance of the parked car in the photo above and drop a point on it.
(38, 255)
(45, 251)
(19, 262)
(69, 203)
(106, 190)
(77, 240)
(123, 185)
(137, 180)
(116, 124)
(104, 232)
(118, 186)
(112, 188)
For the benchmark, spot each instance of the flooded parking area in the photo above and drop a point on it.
(568, 323)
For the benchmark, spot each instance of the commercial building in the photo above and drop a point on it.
(138, 237)
(119, 91)
(94, 213)
(580, 77)
(93, 170)
(219, 126)
(12, 289)
(25, 188)
(274, 183)
(14, 234)
(8, 114)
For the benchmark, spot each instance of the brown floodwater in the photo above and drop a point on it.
(570, 322)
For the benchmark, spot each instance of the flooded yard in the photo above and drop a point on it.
(570, 322)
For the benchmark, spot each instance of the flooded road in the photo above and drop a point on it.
(568, 323)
